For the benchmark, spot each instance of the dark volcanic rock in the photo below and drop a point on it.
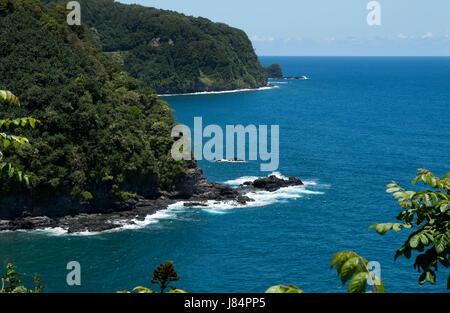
(193, 204)
(272, 183)
(192, 187)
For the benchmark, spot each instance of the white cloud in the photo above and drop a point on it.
(261, 38)
(402, 36)
(427, 35)
(257, 38)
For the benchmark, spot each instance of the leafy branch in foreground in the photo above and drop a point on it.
(6, 169)
(349, 264)
(12, 284)
(428, 212)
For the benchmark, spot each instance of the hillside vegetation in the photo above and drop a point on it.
(171, 52)
(102, 136)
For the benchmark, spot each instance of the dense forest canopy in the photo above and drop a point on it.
(100, 130)
(171, 52)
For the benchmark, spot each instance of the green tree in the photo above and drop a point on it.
(7, 140)
(427, 213)
(163, 275)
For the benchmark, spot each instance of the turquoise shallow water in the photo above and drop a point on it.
(357, 124)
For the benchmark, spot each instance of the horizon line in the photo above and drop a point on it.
(359, 56)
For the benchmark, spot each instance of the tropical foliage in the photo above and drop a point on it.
(354, 268)
(171, 52)
(102, 134)
(12, 284)
(6, 140)
(427, 214)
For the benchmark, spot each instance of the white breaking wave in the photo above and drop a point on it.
(170, 213)
(217, 92)
(262, 198)
(240, 180)
(229, 161)
(243, 179)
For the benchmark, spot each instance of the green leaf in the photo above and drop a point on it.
(350, 267)
(433, 182)
(284, 289)
(434, 198)
(424, 240)
(383, 228)
(414, 241)
(379, 285)
(140, 289)
(416, 179)
(400, 194)
(423, 278)
(443, 208)
(431, 276)
(358, 283)
(276, 289)
(427, 200)
(397, 227)
(177, 291)
(440, 245)
(8, 98)
(340, 258)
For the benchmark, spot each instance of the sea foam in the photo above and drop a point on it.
(217, 92)
(262, 198)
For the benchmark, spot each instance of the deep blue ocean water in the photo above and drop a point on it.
(355, 126)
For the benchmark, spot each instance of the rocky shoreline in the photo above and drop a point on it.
(212, 92)
(194, 190)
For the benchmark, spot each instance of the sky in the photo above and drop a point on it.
(329, 27)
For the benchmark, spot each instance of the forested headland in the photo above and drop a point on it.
(171, 52)
(102, 135)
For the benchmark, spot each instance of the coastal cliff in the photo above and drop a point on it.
(171, 52)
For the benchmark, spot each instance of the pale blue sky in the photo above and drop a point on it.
(328, 27)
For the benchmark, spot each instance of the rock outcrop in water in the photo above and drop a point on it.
(271, 183)
(193, 189)
(274, 71)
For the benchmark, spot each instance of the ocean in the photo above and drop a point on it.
(357, 124)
